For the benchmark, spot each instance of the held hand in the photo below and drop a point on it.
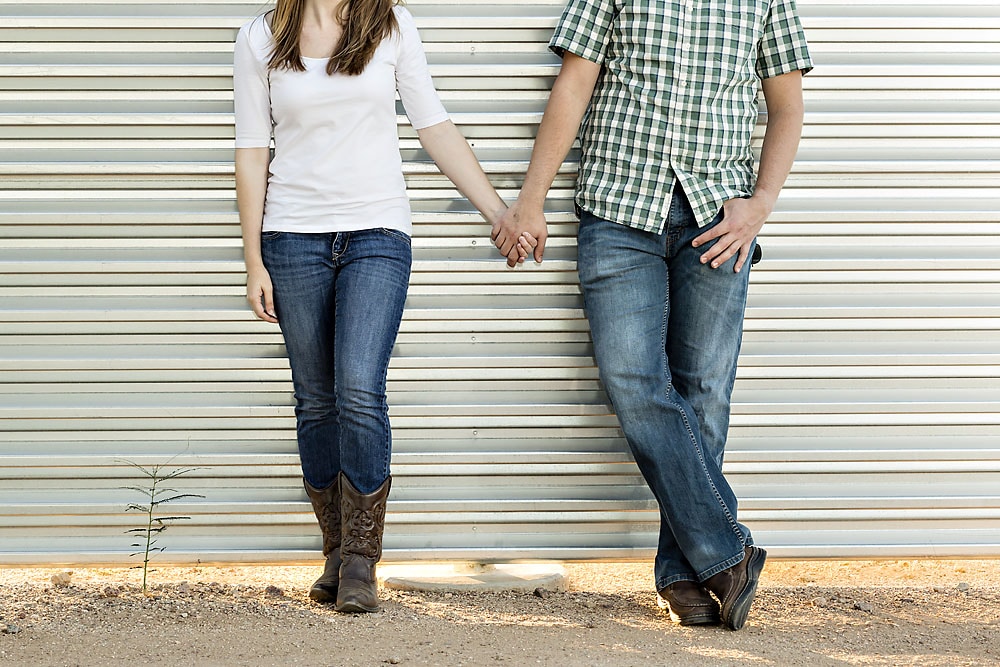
(260, 294)
(507, 233)
(741, 222)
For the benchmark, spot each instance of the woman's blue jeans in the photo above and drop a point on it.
(339, 301)
(667, 332)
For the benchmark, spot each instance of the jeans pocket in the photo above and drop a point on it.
(396, 234)
(269, 236)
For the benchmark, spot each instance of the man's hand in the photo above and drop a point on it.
(260, 294)
(742, 221)
(516, 221)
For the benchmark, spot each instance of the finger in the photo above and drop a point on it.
(741, 260)
(257, 307)
(268, 304)
(540, 249)
(723, 256)
(715, 232)
(507, 247)
(713, 252)
(529, 239)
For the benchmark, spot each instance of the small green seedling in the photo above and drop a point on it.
(155, 495)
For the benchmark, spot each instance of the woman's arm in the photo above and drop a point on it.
(451, 152)
(251, 186)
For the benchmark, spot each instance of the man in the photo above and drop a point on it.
(669, 211)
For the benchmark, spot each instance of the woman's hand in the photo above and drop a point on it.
(260, 294)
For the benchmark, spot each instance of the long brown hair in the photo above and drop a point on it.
(365, 22)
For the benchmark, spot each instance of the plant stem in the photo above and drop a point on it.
(149, 528)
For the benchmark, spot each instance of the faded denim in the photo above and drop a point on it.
(667, 332)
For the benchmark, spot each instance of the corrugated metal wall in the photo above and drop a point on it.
(867, 407)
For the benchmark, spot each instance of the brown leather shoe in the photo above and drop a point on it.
(736, 586)
(689, 604)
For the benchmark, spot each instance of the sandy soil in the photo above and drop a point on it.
(806, 613)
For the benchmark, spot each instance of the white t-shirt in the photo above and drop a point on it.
(336, 164)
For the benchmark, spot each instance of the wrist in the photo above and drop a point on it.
(765, 198)
(494, 215)
(253, 266)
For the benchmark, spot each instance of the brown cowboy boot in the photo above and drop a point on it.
(363, 520)
(326, 505)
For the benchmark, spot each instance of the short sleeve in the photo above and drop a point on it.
(585, 29)
(783, 48)
(251, 94)
(413, 78)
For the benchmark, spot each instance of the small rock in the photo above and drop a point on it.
(819, 602)
(395, 660)
(274, 590)
(11, 629)
(184, 588)
(939, 589)
(541, 593)
(864, 606)
(962, 586)
(109, 592)
(61, 579)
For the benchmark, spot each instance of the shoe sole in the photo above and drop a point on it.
(701, 619)
(741, 606)
(355, 608)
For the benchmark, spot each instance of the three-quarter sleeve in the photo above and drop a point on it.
(413, 78)
(251, 95)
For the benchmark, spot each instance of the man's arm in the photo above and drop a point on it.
(568, 101)
(744, 218)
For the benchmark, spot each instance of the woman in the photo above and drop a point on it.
(326, 237)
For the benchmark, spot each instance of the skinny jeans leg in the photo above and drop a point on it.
(339, 300)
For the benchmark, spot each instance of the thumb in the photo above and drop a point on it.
(540, 248)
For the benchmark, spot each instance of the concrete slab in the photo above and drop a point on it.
(473, 577)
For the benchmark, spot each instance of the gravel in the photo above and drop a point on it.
(806, 613)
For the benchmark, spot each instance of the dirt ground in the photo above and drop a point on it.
(806, 613)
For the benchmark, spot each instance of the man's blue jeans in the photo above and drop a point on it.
(339, 301)
(667, 332)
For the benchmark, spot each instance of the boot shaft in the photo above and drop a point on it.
(362, 519)
(326, 506)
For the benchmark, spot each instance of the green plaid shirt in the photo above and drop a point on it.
(676, 100)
